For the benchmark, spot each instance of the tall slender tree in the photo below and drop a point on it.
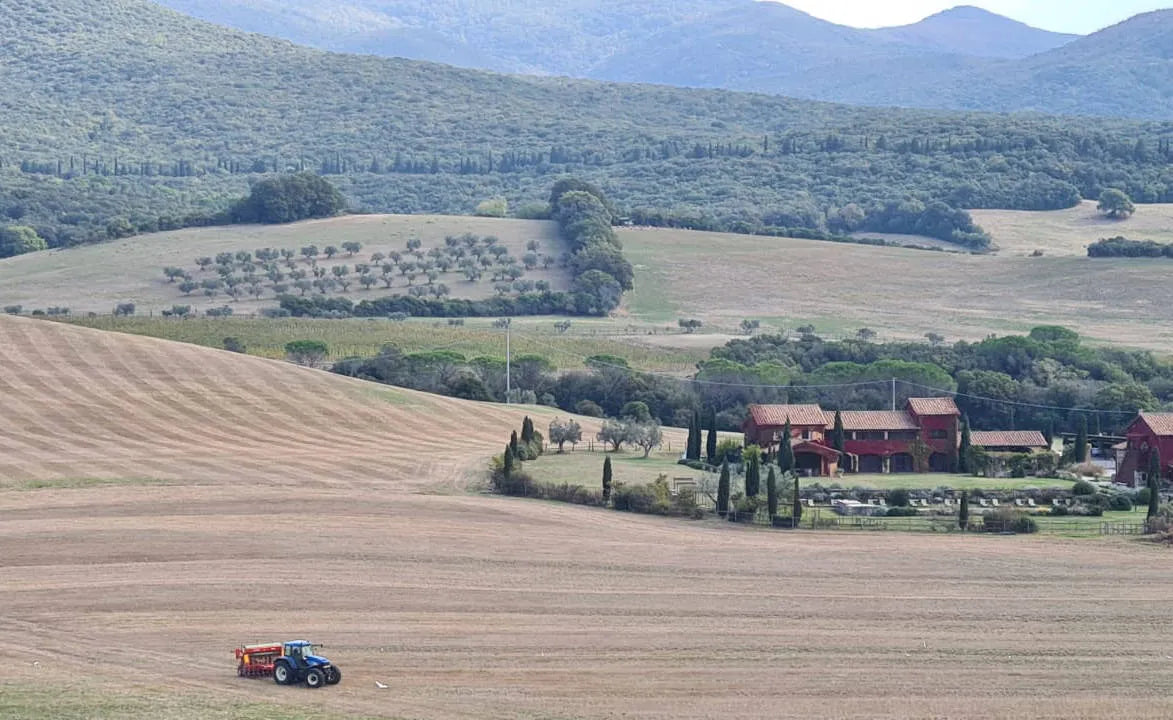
(753, 468)
(507, 462)
(785, 451)
(838, 435)
(1154, 482)
(963, 512)
(692, 452)
(963, 456)
(527, 430)
(711, 440)
(513, 444)
(607, 480)
(772, 492)
(796, 509)
(1081, 439)
(723, 490)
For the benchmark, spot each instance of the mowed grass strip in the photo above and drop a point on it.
(266, 337)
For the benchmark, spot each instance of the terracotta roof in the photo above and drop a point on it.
(1161, 423)
(1008, 438)
(799, 415)
(813, 447)
(877, 420)
(933, 406)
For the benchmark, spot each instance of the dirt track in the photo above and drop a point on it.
(475, 607)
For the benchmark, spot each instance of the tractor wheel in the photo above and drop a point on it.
(314, 678)
(333, 675)
(281, 673)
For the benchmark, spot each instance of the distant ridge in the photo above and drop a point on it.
(731, 44)
(969, 30)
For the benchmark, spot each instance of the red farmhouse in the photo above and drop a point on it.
(1146, 432)
(874, 442)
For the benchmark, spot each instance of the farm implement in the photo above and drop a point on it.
(288, 663)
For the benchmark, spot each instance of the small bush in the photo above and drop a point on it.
(1142, 497)
(633, 498)
(1120, 503)
(234, 344)
(1008, 520)
(898, 497)
(1083, 487)
(1058, 511)
(901, 511)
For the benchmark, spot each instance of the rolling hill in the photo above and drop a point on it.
(192, 415)
(128, 115)
(720, 278)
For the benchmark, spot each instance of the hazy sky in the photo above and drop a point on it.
(1074, 16)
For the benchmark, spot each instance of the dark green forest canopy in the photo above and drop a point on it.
(127, 110)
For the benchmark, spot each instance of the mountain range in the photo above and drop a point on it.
(964, 58)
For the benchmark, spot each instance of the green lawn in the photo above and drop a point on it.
(586, 468)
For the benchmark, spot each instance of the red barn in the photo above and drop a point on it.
(1146, 432)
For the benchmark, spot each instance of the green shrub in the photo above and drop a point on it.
(1120, 503)
(1058, 511)
(1142, 497)
(634, 498)
(1009, 520)
(901, 511)
(1083, 487)
(898, 497)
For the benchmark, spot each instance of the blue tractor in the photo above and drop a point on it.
(298, 663)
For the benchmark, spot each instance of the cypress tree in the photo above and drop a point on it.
(1081, 439)
(1050, 431)
(963, 513)
(963, 448)
(513, 444)
(1154, 482)
(753, 478)
(527, 430)
(723, 490)
(796, 510)
(607, 480)
(785, 452)
(695, 436)
(838, 435)
(711, 440)
(772, 492)
(507, 462)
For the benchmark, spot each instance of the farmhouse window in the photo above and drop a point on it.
(938, 434)
(870, 435)
(902, 435)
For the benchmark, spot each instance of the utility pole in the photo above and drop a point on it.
(508, 362)
(893, 394)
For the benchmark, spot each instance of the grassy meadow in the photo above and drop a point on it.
(718, 278)
(1069, 232)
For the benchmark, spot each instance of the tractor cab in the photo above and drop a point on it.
(301, 654)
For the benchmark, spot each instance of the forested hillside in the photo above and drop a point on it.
(117, 113)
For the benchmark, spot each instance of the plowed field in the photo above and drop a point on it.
(248, 500)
